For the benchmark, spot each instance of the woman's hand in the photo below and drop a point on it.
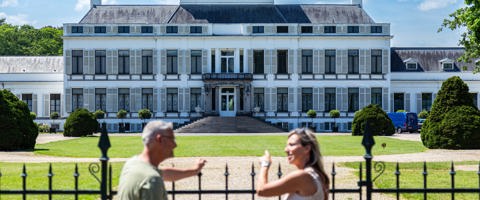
(266, 159)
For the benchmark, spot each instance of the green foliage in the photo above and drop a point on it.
(33, 115)
(400, 111)
(311, 113)
(80, 123)
(380, 123)
(144, 114)
(54, 115)
(18, 131)
(26, 40)
(423, 115)
(121, 114)
(334, 114)
(43, 128)
(453, 121)
(99, 114)
(466, 18)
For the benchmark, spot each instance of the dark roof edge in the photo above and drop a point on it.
(427, 48)
(173, 14)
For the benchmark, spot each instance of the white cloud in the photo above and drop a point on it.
(84, 5)
(8, 3)
(427, 5)
(19, 19)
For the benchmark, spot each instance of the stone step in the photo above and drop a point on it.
(240, 124)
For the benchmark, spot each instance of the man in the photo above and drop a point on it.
(141, 177)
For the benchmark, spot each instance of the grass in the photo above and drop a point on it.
(62, 180)
(218, 146)
(438, 177)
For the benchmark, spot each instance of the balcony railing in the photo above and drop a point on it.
(227, 76)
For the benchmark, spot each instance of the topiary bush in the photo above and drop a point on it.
(423, 114)
(334, 114)
(80, 123)
(144, 114)
(18, 131)
(453, 121)
(379, 122)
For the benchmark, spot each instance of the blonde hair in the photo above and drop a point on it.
(308, 138)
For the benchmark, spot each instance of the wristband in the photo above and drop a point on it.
(265, 163)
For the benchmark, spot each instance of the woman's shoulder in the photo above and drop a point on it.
(300, 176)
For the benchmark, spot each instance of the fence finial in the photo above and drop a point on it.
(368, 140)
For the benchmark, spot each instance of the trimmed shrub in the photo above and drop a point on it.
(122, 114)
(423, 114)
(99, 114)
(54, 115)
(18, 131)
(334, 114)
(33, 115)
(80, 123)
(453, 122)
(378, 120)
(144, 114)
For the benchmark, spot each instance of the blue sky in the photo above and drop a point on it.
(414, 23)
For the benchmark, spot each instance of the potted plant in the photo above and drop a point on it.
(122, 114)
(312, 114)
(334, 114)
(99, 114)
(198, 110)
(144, 114)
(54, 116)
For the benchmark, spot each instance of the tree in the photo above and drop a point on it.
(467, 18)
(18, 131)
(144, 114)
(380, 123)
(423, 114)
(122, 114)
(33, 115)
(445, 126)
(312, 114)
(80, 123)
(334, 114)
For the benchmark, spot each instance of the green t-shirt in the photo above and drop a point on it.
(141, 181)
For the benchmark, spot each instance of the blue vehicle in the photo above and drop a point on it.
(404, 121)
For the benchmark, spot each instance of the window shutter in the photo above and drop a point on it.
(392, 105)
(368, 61)
(291, 99)
(112, 103)
(163, 30)
(344, 61)
(115, 62)
(188, 62)
(132, 62)
(68, 100)
(419, 102)
(91, 61)
(361, 100)
(250, 61)
(407, 102)
(86, 64)
(316, 62)
(273, 100)
(266, 61)
(202, 99)
(316, 99)
(34, 103)
(163, 99)
(368, 97)
(274, 66)
(181, 62)
(338, 62)
(299, 99)
(181, 99)
(138, 98)
(90, 99)
(204, 61)
(186, 92)
(133, 101)
(155, 61)
(291, 62)
(385, 99)
(46, 105)
(299, 61)
(478, 102)
(109, 61)
(345, 99)
(249, 30)
(138, 61)
(155, 100)
(321, 99)
(363, 64)
(68, 62)
(204, 29)
(163, 61)
(385, 61)
(339, 98)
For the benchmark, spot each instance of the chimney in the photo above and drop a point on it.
(357, 2)
(94, 3)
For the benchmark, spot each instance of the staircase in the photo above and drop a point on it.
(240, 124)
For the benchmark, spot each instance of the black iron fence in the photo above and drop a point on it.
(364, 187)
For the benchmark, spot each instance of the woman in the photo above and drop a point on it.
(309, 181)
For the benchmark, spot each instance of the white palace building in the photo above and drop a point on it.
(231, 58)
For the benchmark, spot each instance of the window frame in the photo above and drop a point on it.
(100, 62)
(172, 61)
(258, 29)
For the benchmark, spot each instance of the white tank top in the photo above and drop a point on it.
(317, 196)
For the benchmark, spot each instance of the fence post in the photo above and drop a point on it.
(104, 145)
(368, 143)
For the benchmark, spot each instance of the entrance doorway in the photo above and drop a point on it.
(227, 102)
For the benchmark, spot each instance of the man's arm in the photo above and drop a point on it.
(174, 174)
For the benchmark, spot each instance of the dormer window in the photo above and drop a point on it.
(257, 29)
(307, 29)
(330, 29)
(100, 29)
(124, 29)
(147, 29)
(77, 29)
(282, 29)
(195, 29)
(172, 29)
(376, 29)
(353, 29)
(411, 64)
(447, 64)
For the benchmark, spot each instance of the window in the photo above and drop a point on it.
(77, 29)
(147, 29)
(196, 61)
(77, 62)
(77, 98)
(475, 98)
(352, 29)
(376, 29)
(307, 61)
(124, 99)
(376, 61)
(411, 66)
(172, 62)
(282, 29)
(282, 61)
(54, 103)
(27, 98)
(353, 96)
(172, 29)
(330, 64)
(147, 62)
(330, 99)
(426, 101)
(447, 66)
(195, 29)
(100, 62)
(257, 29)
(307, 99)
(101, 99)
(147, 98)
(123, 62)
(258, 61)
(100, 29)
(241, 61)
(376, 96)
(258, 98)
(195, 98)
(307, 29)
(353, 61)
(398, 101)
(329, 29)
(282, 99)
(124, 29)
(227, 61)
(172, 99)
(212, 67)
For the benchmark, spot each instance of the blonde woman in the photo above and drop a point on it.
(308, 182)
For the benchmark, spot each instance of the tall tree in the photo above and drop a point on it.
(467, 17)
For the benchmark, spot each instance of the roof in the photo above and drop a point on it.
(31, 64)
(231, 13)
(428, 59)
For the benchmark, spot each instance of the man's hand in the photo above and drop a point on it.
(200, 164)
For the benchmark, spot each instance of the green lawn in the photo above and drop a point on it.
(438, 177)
(191, 146)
